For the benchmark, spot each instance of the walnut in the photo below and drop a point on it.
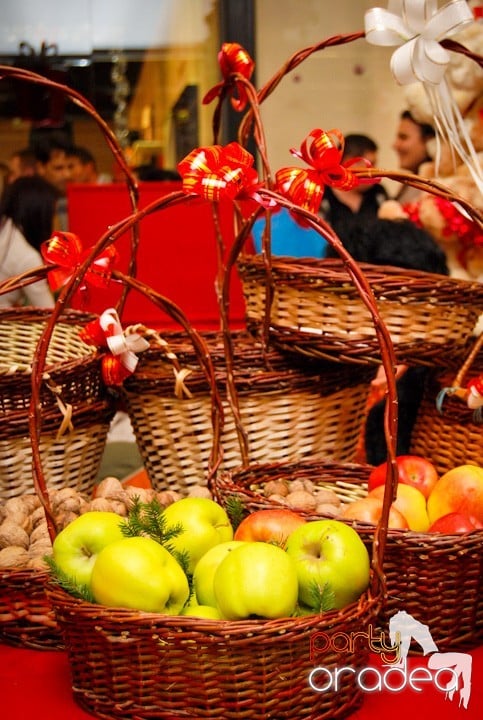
(65, 518)
(13, 557)
(13, 534)
(111, 488)
(99, 505)
(142, 493)
(201, 491)
(167, 497)
(295, 486)
(40, 532)
(37, 563)
(326, 495)
(68, 500)
(327, 509)
(40, 548)
(301, 500)
(38, 516)
(278, 498)
(275, 487)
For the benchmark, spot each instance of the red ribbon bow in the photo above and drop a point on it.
(233, 59)
(107, 331)
(323, 151)
(216, 172)
(65, 250)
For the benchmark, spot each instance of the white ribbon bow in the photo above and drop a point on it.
(418, 27)
(125, 346)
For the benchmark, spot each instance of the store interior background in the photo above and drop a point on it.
(170, 48)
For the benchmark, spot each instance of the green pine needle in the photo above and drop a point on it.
(68, 583)
(147, 519)
(323, 597)
(235, 509)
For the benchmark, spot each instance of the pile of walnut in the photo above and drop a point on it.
(24, 537)
(303, 495)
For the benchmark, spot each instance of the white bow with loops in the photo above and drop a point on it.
(418, 26)
(125, 346)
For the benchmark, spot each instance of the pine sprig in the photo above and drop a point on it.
(68, 583)
(148, 519)
(323, 597)
(235, 510)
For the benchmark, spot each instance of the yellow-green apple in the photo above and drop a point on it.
(369, 510)
(205, 569)
(76, 547)
(202, 611)
(203, 522)
(270, 525)
(330, 559)
(455, 523)
(411, 503)
(458, 490)
(139, 573)
(256, 580)
(412, 470)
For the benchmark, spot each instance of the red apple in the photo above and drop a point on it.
(455, 523)
(270, 525)
(458, 490)
(412, 470)
(369, 510)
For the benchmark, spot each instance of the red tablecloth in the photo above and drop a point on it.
(36, 684)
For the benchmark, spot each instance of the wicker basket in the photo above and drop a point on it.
(134, 665)
(27, 618)
(316, 310)
(287, 409)
(436, 578)
(452, 434)
(76, 407)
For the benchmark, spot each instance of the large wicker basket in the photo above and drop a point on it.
(27, 618)
(76, 406)
(446, 430)
(288, 408)
(436, 578)
(316, 311)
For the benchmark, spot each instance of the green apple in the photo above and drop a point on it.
(205, 569)
(204, 523)
(76, 547)
(139, 573)
(331, 560)
(256, 580)
(202, 611)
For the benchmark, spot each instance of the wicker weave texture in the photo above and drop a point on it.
(27, 618)
(287, 410)
(71, 460)
(318, 312)
(138, 665)
(448, 438)
(436, 578)
(75, 408)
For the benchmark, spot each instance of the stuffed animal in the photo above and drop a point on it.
(459, 236)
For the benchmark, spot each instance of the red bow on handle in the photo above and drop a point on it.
(107, 331)
(233, 59)
(217, 172)
(324, 154)
(64, 249)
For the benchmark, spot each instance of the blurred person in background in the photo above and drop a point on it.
(346, 210)
(27, 208)
(411, 147)
(51, 164)
(21, 163)
(82, 167)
